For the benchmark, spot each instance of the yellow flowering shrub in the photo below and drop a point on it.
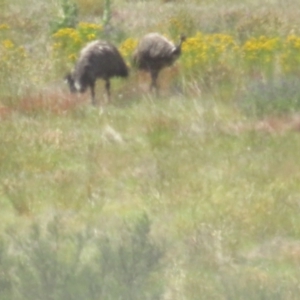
(9, 50)
(67, 42)
(203, 53)
(290, 57)
(194, 51)
(261, 52)
(216, 54)
(11, 55)
(127, 48)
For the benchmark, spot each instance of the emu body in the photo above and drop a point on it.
(99, 59)
(155, 52)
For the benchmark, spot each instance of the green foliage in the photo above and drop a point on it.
(52, 263)
(213, 166)
(67, 42)
(127, 268)
(180, 24)
(106, 18)
(68, 16)
(258, 23)
(271, 97)
(13, 59)
(6, 271)
(250, 282)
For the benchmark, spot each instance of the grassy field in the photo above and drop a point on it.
(190, 195)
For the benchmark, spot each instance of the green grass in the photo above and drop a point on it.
(190, 195)
(211, 194)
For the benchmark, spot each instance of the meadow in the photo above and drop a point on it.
(192, 194)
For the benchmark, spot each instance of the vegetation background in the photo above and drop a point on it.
(190, 195)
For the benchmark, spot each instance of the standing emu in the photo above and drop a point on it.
(99, 59)
(153, 53)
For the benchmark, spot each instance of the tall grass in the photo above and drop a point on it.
(190, 195)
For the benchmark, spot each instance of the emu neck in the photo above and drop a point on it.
(177, 50)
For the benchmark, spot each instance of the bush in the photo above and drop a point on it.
(67, 18)
(278, 96)
(51, 263)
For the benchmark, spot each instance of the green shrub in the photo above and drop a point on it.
(67, 18)
(52, 263)
(278, 96)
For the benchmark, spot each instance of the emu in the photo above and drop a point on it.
(98, 59)
(155, 52)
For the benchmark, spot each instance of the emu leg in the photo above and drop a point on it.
(154, 75)
(107, 88)
(92, 86)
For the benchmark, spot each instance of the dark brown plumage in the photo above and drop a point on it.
(155, 52)
(99, 59)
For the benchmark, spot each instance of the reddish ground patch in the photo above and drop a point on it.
(272, 125)
(5, 111)
(278, 124)
(56, 102)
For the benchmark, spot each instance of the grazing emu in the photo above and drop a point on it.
(99, 59)
(153, 53)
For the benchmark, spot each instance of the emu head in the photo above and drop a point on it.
(182, 38)
(177, 49)
(69, 78)
(74, 85)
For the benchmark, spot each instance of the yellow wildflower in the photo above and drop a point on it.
(128, 46)
(91, 36)
(4, 26)
(72, 57)
(8, 44)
